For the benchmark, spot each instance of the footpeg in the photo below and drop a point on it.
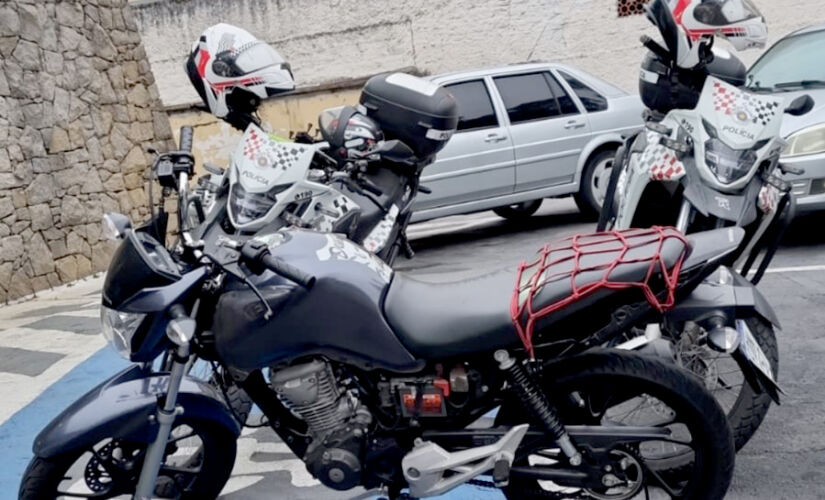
(430, 470)
(501, 473)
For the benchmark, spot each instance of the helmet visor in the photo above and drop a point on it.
(255, 56)
(724, 12)
(750, 10)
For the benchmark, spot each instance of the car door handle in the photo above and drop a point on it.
(574, 124)
(495, 138)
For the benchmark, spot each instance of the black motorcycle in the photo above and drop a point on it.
(373, 378)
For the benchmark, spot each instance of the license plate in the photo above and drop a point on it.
(752, 351)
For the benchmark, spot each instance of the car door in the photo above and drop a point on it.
(478, 161)
(547, 127)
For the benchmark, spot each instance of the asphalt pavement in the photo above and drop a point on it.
(51, 352)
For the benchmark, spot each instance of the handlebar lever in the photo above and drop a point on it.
(787, 169)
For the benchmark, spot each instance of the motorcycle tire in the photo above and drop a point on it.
(44, 475)
(619, 371)
(750, 407)
(237, 399)
(519, 211)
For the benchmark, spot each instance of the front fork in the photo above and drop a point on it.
(684, 216)
(165, 417)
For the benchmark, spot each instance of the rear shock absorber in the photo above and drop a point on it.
(536, 402)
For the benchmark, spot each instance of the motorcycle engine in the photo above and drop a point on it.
(337, 422)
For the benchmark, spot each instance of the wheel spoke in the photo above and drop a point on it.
(180, 438)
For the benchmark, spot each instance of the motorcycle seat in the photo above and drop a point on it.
(439, 320)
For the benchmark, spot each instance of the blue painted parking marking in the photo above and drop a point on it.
(18, 432)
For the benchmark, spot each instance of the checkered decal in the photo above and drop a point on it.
(768, 198)
(266, 152)
(341, 206)
(660, 161)
(729, 100)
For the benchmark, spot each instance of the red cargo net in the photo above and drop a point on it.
(564, 261)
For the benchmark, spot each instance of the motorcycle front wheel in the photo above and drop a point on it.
(197, 463)
(745, 407)
(611, 388)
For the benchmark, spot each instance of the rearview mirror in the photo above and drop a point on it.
(800, 106)
(115, 226)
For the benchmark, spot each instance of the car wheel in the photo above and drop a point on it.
(595, 180)
(518, 211)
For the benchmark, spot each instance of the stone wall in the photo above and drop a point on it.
(328, 40)
(78, 109)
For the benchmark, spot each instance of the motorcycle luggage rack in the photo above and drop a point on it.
(564, 261)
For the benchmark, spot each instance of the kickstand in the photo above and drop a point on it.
(394, 493)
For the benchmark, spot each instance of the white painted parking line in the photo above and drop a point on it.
(795, 269)
(427, 230)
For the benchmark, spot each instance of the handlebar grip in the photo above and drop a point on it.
(287, 271)
(186, 133)
(370, 187)
(787, 169)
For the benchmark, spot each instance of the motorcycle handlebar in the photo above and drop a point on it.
(186, 133)
(654, 47)
(256, 256)
(289, 272)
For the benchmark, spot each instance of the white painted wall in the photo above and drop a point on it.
(328, 40)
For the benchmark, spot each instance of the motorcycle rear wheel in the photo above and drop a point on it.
(702, 470)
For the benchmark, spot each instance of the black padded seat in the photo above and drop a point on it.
(438, 320)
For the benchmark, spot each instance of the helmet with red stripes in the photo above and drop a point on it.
(739, 21)
(233, 71)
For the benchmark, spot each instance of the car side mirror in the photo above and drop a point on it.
(800, 106)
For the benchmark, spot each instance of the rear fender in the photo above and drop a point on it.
(121, 407)
(726, 291)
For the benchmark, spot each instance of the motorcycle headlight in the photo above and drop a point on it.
(808, 141)
(119, 327)
(727, 164)
(247, 207)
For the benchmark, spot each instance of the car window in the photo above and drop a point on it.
(531, 97)
(475, 108)
(592, 100)
(792, 63)
(566, 104)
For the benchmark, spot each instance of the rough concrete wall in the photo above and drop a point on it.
(78, 108)
(330, 39)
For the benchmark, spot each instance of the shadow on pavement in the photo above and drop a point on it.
(806, 230)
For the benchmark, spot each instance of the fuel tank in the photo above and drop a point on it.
(340, 317)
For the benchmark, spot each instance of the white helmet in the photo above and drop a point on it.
(739, 21)
(233, 71)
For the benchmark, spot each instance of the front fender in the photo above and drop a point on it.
(121, 406)
(629, 188)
